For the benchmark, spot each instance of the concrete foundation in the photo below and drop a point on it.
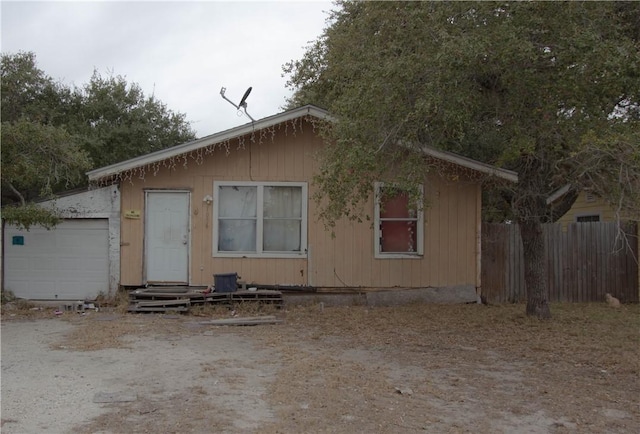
(391, 297)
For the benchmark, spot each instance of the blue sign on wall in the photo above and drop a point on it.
(18, 240)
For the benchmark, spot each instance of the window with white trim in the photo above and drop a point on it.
(260, 219)
(399, 224)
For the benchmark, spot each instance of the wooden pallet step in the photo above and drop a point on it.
(152, 300)
(137, 295)
(165, 289)
(159, 303)
(253, 300)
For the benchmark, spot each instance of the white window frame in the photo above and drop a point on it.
(259, 253)
(377, 233)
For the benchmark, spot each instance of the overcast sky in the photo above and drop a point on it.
(182, 52)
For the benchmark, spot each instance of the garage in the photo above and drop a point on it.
(69, 262)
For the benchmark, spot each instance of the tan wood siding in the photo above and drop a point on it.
(346, 260)
(584, 206)
(131, 236)
(450, 246)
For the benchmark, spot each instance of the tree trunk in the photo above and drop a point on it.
(535, 269)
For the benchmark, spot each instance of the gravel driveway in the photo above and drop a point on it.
(352, 369)
(173, 378)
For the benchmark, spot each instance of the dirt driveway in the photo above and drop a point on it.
(419, 368)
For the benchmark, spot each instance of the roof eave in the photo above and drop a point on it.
(469, 163)
(558, 193)
(174, 151)
(307, 110)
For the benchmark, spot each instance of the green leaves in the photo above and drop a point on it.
(117, 121)
(52, 134)
(39, 159)
(516, 84)
(24, 217)
(27, 92)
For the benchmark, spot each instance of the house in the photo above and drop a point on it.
(76, 260)
(588, 207)
(240, 201)
(591, 208)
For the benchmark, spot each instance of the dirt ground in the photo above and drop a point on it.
(407, 369)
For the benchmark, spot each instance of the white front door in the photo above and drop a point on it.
(167, 237)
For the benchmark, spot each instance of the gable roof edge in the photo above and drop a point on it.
(175, 151)
(250, 127)
(558, 193)
(470, 163)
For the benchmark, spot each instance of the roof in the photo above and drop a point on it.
(223, 136)
(470, 163)
(558, 193)
(156, 157)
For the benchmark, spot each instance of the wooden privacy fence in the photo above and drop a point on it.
(584, 262)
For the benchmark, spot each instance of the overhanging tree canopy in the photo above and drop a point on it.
(52, 134)
(547, 89)
(39, 155)
(117, 121)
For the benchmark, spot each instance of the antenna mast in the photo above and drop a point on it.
(243, 102)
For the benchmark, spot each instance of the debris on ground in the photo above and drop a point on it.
(181, 299)
(246, 321)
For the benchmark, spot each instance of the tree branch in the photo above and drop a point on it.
(17, 193)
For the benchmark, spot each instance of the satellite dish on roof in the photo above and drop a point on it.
(243, 101)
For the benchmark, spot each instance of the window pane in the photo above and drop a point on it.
(396, 207)
(237, 201)
(251, 210)
(282, 202)
(281, 235)
(237, 236)
(398, 236)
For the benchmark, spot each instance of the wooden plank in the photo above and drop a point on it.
(602, 260)
(549, 262)
(582, 262)
(587, 251)
(554, 239)
(520, 287)
(629, 285)
(615, 256)
(596, 237)
(165, 289)
(158, 309)
(244, 318)
(270, 319)
(579, 262)
(565, 263)
(510, 252)
(633, 259)
(595, 253)
(571, 270)
(145, 294)
(110, 397)
(158, 303)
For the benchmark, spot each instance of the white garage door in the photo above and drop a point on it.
(69, 262)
